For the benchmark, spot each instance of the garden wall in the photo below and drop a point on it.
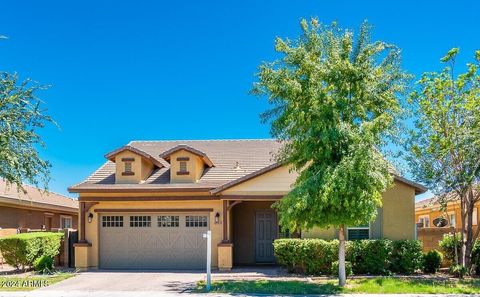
(431, 236)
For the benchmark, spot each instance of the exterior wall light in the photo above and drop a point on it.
(90, 217)
(217, 218)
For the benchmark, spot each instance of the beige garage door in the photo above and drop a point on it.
(153, 241)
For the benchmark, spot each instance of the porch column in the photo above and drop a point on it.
(225, 222)
(82, 222)
(225, 248)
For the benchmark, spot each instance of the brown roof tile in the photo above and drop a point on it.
(250, 155)
(234, 161)
(34, 195)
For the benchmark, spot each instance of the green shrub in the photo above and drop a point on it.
(348, 268)
(458, 270)
(43, 264)
(21, 250)
(369, 256)
(310, 256)
(406, 256)
(447, 245)
(476, 256)
(315, 256)
(432, 261)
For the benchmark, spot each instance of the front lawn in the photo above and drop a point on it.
(370, 285)
(31, 282)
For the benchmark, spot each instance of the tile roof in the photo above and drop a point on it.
(251, 155)
(234, 161)
(451, 197)
(9, 192)
(425, 203)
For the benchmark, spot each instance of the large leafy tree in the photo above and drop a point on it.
(335, 99)
(21, 115)
(444, 147)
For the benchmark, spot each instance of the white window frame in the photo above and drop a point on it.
(361, 228)
(66, 217)
(422, 220)
(450, 220)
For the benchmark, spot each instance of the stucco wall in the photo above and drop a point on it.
(34, 219)
(275, 182)
(435, 212)
(399, 212)
(397, 216)
(136, 168)
(92, 229)
(195, 167)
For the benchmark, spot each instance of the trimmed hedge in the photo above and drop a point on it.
(406, 257)
(22, 250)
(369, 256)
(382, 256)
(302, 255)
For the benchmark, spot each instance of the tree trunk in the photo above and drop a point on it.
(469, 234)
(342, 279)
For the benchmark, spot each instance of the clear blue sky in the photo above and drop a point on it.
(125, 70)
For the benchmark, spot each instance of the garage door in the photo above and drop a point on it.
(153, 241)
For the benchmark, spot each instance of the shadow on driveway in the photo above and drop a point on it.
(124, 281)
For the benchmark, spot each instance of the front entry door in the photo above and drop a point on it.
(265, 233)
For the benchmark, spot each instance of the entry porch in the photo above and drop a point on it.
(249, 229)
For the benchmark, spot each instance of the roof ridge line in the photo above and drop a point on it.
(198, 140)
(42, 191)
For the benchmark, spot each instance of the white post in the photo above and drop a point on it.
(208, 236)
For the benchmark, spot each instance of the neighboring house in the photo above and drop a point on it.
(428, 212)
(35, 209)
(148, 206)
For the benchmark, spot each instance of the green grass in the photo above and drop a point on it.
(270, 287)
(415, 286)
(372, 285)
(28, 283)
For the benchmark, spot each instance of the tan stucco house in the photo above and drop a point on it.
(148, 206)
(429, 214)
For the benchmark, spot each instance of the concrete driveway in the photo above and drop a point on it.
(119, 283)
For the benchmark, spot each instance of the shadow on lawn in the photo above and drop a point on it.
(269, 287)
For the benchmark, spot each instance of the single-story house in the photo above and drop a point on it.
(36, 209)
(148, 206)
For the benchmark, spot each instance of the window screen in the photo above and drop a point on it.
(128, 166)
(358, 233)
(183, 166)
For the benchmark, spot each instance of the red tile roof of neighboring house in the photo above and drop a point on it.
(234, 161)
(10, 193)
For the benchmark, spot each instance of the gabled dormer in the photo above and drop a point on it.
(132, 166)
(186, 163)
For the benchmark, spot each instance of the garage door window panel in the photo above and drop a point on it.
(168, 221)
(140, 221)
(196, 221)
(112, 221)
